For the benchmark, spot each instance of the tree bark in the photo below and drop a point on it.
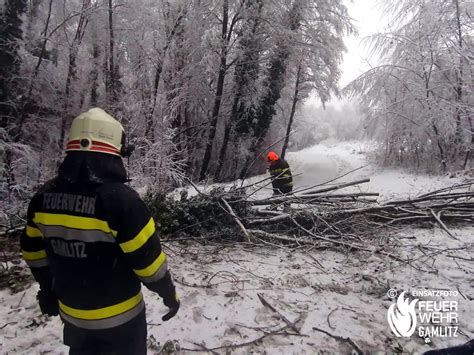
(95, 72)
(459, 86)
(111, 70)
(292, 113)
(219, 91)
(468, 156)
(440, 147)
(225, 142)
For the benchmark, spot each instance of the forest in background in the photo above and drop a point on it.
(202, 87)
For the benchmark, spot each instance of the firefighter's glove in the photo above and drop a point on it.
(48, 302)
(172, 302)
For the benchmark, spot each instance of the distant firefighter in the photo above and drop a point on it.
(282, 180)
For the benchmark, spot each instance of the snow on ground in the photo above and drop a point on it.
(342, 294)
(324, 162)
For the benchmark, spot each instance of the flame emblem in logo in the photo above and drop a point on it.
(402, 320)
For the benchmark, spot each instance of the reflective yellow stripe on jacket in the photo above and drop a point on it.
(103, 318)
(155, 271)
(33, 232)
(32, 251)
(140, 239)
(76, 222)
(33, 255)
(35, 258)
(157, 267)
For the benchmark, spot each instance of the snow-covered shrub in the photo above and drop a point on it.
(197, 216)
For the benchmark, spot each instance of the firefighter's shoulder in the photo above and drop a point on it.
(122, 201)
(118, 192)
(45, 187)
(48, 186)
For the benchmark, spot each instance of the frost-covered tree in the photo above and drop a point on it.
(420, 97)
(10, 63)
(196, 83)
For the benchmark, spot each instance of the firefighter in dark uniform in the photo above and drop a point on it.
(282, 180)
(90, 242)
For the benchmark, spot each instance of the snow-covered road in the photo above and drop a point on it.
(325, 162)
(313, 166)
(318, 290)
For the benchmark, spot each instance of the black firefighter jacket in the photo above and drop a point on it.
(91, 239)
(282, 180)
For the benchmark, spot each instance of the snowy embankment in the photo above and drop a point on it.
(275, 301)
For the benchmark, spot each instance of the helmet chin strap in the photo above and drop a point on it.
(126, 170)
(127, 149)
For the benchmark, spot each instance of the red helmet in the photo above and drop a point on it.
(272, 156)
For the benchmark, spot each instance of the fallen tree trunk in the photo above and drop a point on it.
(323, 217)
(337, 187)
(315, 196)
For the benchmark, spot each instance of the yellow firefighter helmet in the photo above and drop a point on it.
(96, 131)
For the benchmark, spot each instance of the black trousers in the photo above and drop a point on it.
(127, 339)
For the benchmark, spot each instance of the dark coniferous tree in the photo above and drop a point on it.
(11, 32)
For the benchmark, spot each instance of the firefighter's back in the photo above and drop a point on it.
(89, 270)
